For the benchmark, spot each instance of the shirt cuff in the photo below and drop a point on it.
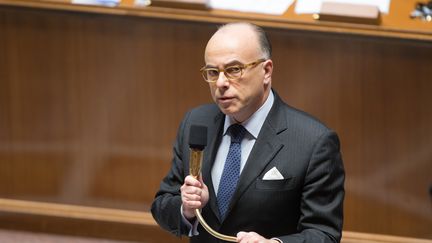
(192, 226)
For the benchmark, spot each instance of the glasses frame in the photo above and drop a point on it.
(241, 66)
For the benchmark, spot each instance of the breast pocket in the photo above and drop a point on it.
(276, 185)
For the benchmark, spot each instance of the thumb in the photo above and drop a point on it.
(200, 179)
(240, 235)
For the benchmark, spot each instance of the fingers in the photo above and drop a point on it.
(191, 193)
(191, 189)
(250, 237)
(192, 181)
(191, 197)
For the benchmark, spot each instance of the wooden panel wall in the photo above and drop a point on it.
(90, 104)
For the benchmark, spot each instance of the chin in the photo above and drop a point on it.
(229, 111)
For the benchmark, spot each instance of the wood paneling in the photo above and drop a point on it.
(112, 224)
(94, 102)
(90, 104)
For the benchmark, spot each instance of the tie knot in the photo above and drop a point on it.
(237, 133)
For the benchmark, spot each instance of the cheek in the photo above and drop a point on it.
(212, 91)
(247, 91)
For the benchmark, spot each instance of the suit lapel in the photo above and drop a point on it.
(215, 134)
(265, 149)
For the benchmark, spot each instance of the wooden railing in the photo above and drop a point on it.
(73, 212)
(76, 212)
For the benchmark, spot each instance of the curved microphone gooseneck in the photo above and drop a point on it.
(197, 143)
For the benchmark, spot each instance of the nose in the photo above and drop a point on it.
(222, 80)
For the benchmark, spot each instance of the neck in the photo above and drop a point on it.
(240, 118)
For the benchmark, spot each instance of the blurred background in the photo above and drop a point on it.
(91, 98)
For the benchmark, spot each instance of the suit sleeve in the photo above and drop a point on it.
(321, 217)
(166, 205)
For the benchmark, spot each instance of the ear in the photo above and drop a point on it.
(268, 71)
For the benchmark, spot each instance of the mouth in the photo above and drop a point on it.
(225, 100)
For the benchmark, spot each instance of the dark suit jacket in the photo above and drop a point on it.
(306, 206)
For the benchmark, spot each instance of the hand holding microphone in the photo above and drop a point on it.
(194, 195)
(194, 192)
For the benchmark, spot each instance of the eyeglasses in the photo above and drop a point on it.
(211, 75)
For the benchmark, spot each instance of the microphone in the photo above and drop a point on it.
(197, 143)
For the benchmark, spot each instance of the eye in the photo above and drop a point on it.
(233, 70)
(212, 72)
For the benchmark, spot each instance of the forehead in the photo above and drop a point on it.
(238, 42)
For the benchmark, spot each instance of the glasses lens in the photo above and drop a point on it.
(233, 72)
(210, 74)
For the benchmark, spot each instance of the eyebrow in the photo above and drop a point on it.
(231, 63)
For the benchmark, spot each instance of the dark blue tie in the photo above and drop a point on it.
(231, 171)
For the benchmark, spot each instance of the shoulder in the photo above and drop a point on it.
(300, 123)
(206, 108)
(302, 119)
(291, 116)
(204, 115)
(208, 116)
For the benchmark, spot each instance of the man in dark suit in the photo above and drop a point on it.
(271, 173)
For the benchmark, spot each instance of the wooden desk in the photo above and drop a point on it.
(91, 97)
(396, 24)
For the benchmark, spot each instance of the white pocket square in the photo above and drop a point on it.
(273, 174)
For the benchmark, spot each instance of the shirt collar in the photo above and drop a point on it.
(254, 123)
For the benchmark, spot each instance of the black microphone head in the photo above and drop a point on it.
(198, 137)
